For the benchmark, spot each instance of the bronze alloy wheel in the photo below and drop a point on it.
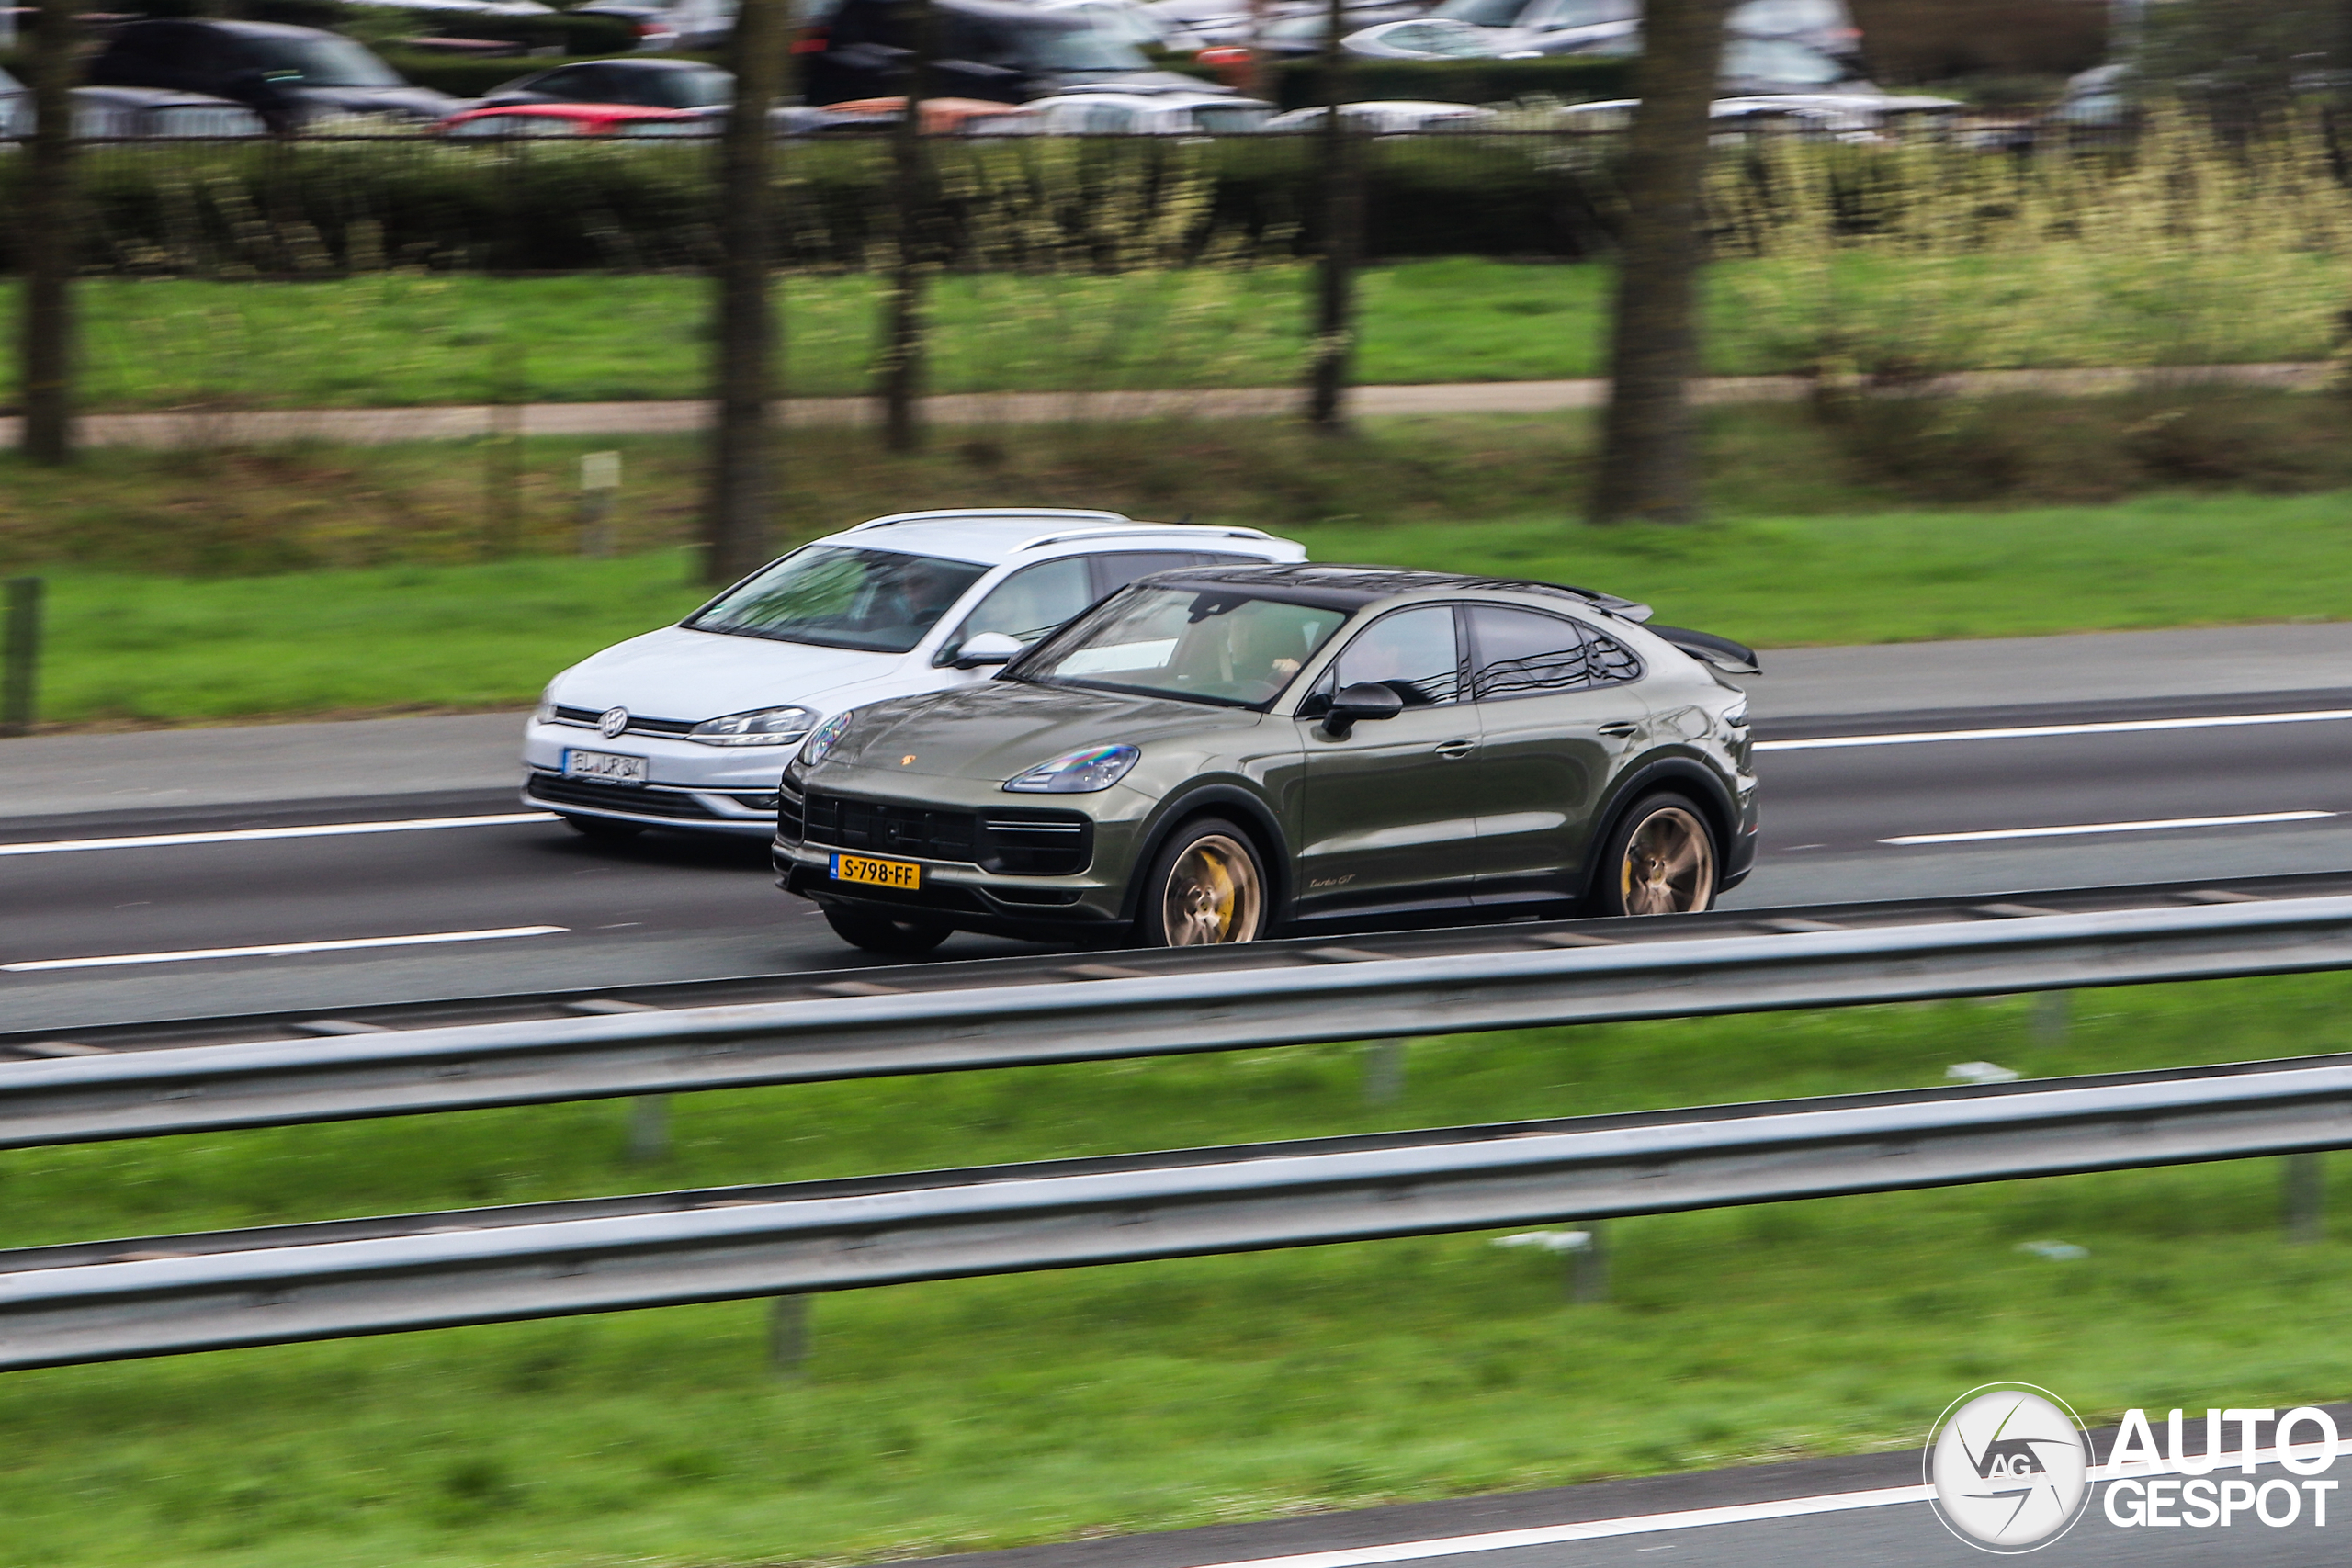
(1669, 864)
(1214, 894)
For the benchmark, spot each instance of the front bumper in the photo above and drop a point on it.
(708, 789)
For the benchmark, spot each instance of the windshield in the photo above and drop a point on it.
(1088, 48)
(320, 63)
(686, 89)
(1225, 120)
(876, 600)
(1215, 646)
(1779, 62)
(1481, 12)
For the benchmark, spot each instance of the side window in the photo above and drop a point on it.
(559, 84)
(1030, 602)
(1613, 663)
(1414, 653)
(1522, 654)
(1113, 571)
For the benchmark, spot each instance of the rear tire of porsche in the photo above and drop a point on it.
(1661, 860)
(880, 934)
(1207, 887)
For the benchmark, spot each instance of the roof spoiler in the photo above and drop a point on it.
(1733, 657)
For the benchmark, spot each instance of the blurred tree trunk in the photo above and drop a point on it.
(51, 230)
(1649, 459)
(902, 357)
(1343, 220)
(744, 371)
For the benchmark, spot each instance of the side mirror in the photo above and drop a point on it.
(1365, 700)
(988, 648)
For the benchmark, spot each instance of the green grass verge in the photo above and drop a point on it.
(990, 1413)
(413, 338)
(417, 636)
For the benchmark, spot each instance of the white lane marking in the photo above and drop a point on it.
(2028, 732)
(1692, 1518)
(1596, 1529)
(2074, 829)
(276, 949)
(250, 835)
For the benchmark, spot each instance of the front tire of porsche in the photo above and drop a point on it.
(1207, 887)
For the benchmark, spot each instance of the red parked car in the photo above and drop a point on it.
(576, 119)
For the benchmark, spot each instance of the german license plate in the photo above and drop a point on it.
(900, 873)
(602, 767)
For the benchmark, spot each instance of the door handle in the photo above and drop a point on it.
(1621, 731)
(1455, 750)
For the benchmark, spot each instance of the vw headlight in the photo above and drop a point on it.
(1077, 773)
(761, 726)
(546, 711)
(824, 738)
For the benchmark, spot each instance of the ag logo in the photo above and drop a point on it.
(2010, 1468)
(615, 721)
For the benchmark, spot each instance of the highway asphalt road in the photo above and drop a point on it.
(1862, 1511)
(670, 906)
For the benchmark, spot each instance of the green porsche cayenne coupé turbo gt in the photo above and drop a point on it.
(1228, 753)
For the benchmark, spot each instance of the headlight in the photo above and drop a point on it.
(1077, 773)
(827, 736)
(546, 713)
(761, 726)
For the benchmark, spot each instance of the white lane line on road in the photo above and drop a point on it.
(1697, 1518)
(252, 835)
(1594, 1529)
(2029, 732)
(276, 950)
(2072, 830)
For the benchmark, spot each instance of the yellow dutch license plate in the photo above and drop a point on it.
(900, 873)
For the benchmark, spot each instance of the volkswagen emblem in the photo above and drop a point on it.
(615, 721)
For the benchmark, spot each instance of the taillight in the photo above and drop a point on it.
(813, 41)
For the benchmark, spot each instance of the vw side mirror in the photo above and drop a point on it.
(988, 648)
(1365, 700)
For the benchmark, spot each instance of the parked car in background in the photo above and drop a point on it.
(690, 726)
(288, 75)
(995, 49)
(1390, 116)
(574, 119)
(1298, 33)
(1771, 44)
(676, 24)
(1132, 114)
(941, 116)
(121, 112)
(643, 83)
(16, 108)
(1137, 24)
(1847, 115)
(1222, 755)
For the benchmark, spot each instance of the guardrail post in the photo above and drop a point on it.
(788, 1335)
(2306, 1194)
(649, 1128)
(1383, 1072)
(20, 664)
(1588, 1266)
(2052, 1011)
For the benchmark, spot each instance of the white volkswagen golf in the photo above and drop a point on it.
(690, 726)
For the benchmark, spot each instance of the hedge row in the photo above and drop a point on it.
(296, 207)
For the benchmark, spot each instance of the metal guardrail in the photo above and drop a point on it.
(167, 1295)
(834, 1038)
